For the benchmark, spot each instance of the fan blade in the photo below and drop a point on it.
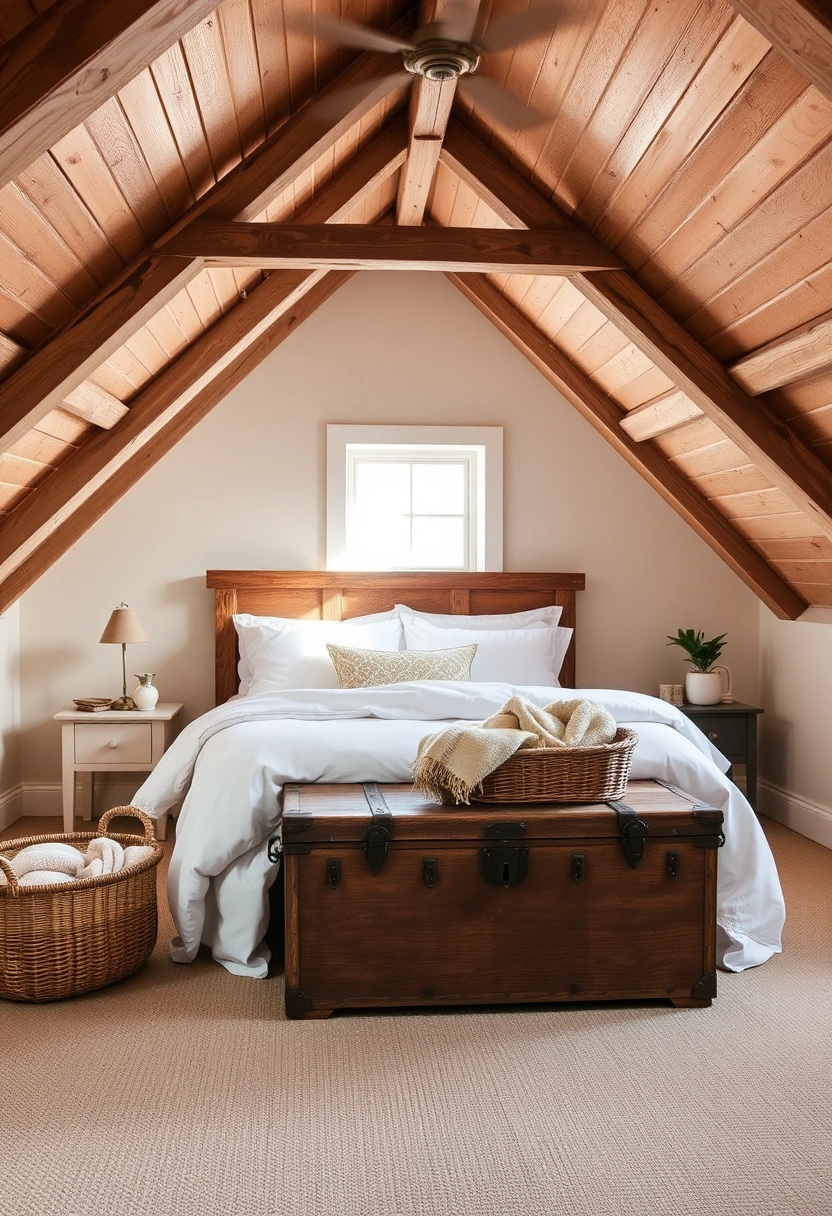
(521, 27)
(336, 105)
(347, 33)
(509, 110)
(459, 19)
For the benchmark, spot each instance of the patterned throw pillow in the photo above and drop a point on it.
(365, 668)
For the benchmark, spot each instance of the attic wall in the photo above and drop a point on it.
(796, 730)
(9, 716)
(246, 489)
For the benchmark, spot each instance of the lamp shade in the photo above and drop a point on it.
(123, 626)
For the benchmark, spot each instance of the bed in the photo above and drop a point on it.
(229, 766)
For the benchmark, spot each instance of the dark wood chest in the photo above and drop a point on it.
(395, 901)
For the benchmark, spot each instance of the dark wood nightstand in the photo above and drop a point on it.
(732, 728)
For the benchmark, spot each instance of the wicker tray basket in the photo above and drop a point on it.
(569, 774)
(64, 939)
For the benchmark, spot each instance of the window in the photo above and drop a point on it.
(414, 498)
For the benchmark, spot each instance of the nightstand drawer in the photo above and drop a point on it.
(110, 743)
(730, 735)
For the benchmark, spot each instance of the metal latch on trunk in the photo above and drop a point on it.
(378, 834)
(505, 866)
(633, 831)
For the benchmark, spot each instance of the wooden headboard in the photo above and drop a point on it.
(315, 595)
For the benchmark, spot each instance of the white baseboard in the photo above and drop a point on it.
(46, 797)
(11, 806)
(811, 819)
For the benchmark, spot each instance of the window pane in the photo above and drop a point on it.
(438, 543)
(438, 489)
(382, 485)
(380, 541)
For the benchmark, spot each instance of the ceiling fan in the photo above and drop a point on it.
(448, 49)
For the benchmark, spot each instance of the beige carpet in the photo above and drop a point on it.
(183, 1091)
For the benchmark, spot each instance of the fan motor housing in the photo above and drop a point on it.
(441, 58)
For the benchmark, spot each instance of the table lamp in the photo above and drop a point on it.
(123, 627)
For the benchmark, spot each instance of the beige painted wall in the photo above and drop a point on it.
(9, 715)
(246, 489)
(796, 730)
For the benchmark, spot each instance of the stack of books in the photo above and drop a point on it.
(92, 705)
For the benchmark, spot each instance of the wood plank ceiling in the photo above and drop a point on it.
(694, 151)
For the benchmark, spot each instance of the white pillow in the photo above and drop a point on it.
(500, 620)
(277, 653)
(516, 656)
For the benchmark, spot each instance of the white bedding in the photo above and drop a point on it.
(230, 766)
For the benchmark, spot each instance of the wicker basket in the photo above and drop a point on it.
(569, 774)
(64, 939)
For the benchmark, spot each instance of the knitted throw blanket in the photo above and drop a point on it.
(458, 758)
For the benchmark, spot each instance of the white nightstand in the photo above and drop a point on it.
(112, 742)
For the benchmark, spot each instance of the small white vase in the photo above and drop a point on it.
(703, 688)
(146, 695)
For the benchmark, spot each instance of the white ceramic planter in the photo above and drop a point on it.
(703, 688)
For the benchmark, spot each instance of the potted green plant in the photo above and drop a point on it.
(703, 685)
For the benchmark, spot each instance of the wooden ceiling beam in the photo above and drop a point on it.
(794, 356)
(753, 424)
(667, 412)
(51, 374)
(605, 416)
(95, 405)
(430, 110)
(71, 59)
(363, 247)
(64, 362)
(134, 459)
(197, 375)
(801, 30)
(68, 488)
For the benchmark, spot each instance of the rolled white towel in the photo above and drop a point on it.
(106, 850)
(40, 878)
(94, 870)
(135, 853)
(51, 855)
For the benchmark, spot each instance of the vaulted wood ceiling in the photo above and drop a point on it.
(689, 145)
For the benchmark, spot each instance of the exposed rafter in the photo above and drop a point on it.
(359, 247)
(199, 375)
(801, 30)
(46, 379)
(753, 425)
(605, 416)
(430, 109)
(664, 413)
(54, 501)
(74, 57)
(49, 376)
(136, 459)
(800, 353)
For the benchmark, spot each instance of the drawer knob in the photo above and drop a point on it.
(712, 735)
(113, 743)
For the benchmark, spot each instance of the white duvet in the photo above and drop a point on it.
(230, 766)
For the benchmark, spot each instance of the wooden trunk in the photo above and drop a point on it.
(494, 904)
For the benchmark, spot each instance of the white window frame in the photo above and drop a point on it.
(483, 445)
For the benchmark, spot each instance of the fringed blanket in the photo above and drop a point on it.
(458, 758)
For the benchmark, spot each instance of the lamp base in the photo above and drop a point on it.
(124, 703)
